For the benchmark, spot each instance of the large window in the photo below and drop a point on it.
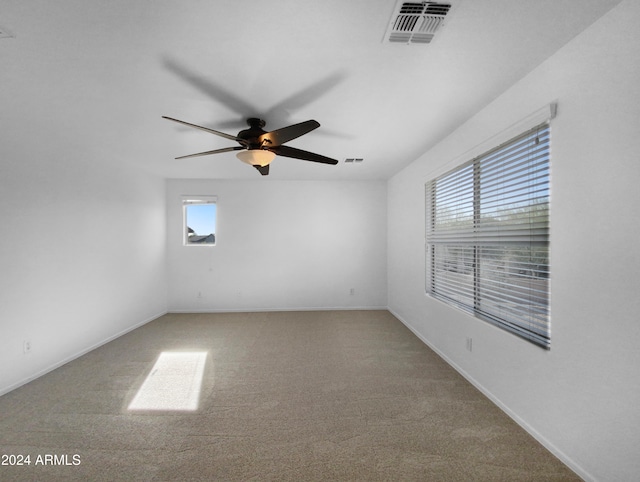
(488, 236)
(199, 216)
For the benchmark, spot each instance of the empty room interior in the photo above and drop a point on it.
(298, 240)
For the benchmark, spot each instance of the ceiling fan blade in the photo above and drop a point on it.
(206, 129)
(280, 136)
(287, 151)
(264, 170)
(215, 151)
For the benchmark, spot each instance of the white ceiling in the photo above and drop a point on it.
(91, 79)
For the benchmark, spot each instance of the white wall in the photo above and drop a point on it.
(82, 253)
(582, 397)
(281, 245)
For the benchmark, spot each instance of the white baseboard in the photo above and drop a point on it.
(529, 429)
(84, 351)
(297, 308)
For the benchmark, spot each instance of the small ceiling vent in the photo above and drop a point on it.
(416, 22)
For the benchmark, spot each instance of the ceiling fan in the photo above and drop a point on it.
(259, 147)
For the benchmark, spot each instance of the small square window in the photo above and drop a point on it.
(199, 221)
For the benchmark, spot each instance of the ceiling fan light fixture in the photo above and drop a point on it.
(256, 157)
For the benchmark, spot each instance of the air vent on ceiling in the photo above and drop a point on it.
(416, 22)
(354, 159)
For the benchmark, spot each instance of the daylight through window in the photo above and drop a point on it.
(487, 233)
(173, 383)
(199, 226)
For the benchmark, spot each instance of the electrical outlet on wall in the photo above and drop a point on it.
(26, 346)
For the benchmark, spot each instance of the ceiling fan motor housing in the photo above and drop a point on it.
(253, 136)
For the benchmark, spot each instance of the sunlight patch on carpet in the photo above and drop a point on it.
(173, 384)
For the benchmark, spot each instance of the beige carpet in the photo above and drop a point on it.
(335, 395)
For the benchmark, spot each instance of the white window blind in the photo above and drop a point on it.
(488, 236)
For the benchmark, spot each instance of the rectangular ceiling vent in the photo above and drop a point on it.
(416, 22)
